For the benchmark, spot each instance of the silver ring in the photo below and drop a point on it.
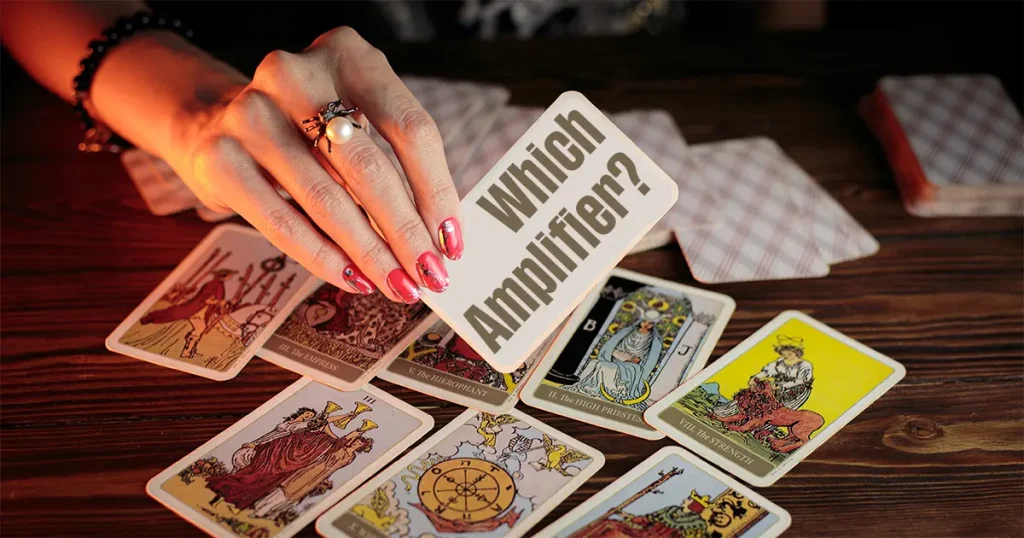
(334, 109)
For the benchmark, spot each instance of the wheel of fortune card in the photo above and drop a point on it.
(466, 489)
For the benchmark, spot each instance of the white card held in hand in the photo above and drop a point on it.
(673, 493)
(770, 401)
(632, 341)
(482, 476)
(212, 313)
(552, 217)
(282, 465)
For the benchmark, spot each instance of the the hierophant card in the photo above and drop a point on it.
(440, 363)
(770, 401)
(634, 340)
(483, 475)
(212, 313)
(343, 339)
(281, 466)
(673, 494)
(549, 220)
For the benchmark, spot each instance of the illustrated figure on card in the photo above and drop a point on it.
(772, 400)
(490, 474)
(643, 329)
(284, 463)
(211, 316)
(442, 349)
(672, 495)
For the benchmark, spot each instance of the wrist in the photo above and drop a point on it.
(157, 91)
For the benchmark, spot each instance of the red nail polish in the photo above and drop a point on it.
(432, 272)
(449, 236)
(355, 278)
(403, 286)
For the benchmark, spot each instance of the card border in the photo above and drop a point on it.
(181, 509)
(287, 363)
(323, 525)
(112, 344)
(566, 98)
(652, 418)
(577, 317)
(574, 515)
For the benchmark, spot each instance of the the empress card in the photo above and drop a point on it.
(212, 313)
(770, 401)
(672, 494)
(343, 339)
(634, 340)
(281, 466)
(441, 363)
(483, 475)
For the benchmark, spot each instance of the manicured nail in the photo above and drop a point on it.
(403, 286)
(449, 236)
(355, 278)
(432, 272)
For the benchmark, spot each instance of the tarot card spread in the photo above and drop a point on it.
(274, 471)
(673, 494)
(482, 475)
(440, 363)
(218, 306)
(633, 341)
(342, 339)
(769, 402)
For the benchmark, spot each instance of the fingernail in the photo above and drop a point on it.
(355, 278)
(449, 236)
(432, 272)
(403, 286)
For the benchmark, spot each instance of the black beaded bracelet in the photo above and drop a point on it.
(99, 137)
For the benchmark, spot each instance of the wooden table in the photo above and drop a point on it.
(942, 454)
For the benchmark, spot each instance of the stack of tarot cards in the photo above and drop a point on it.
(955, 143)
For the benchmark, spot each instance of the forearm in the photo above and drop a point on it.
(149, 88)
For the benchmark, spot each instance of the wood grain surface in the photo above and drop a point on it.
(940, 455)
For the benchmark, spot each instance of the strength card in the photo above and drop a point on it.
(343, 339)
(212, 313)
(632, 341)
(281, 466)
(483, 475)
(770, 401)
(673, 493)
(549, 220)
(440, 363)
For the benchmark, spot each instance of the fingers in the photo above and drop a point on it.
(364, 74)
(224, 162)
(297, 85)
(272, 139)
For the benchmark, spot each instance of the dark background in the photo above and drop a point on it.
(989, 33)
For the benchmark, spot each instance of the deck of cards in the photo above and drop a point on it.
(955, 143)
(564, 330)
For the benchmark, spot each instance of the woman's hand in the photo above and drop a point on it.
(236, 153)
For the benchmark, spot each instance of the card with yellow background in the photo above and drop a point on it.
(773, 399)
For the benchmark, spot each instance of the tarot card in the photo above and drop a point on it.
(463, 144)
(281, 466)
(441, 363)
(632, 341)
(508, 127)
(343, 339)
(762, 234)
(673, 494)
(212, 313)
(161, 189)
(483, 475)
(770, 401)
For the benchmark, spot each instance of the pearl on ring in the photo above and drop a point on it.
(340, 130)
